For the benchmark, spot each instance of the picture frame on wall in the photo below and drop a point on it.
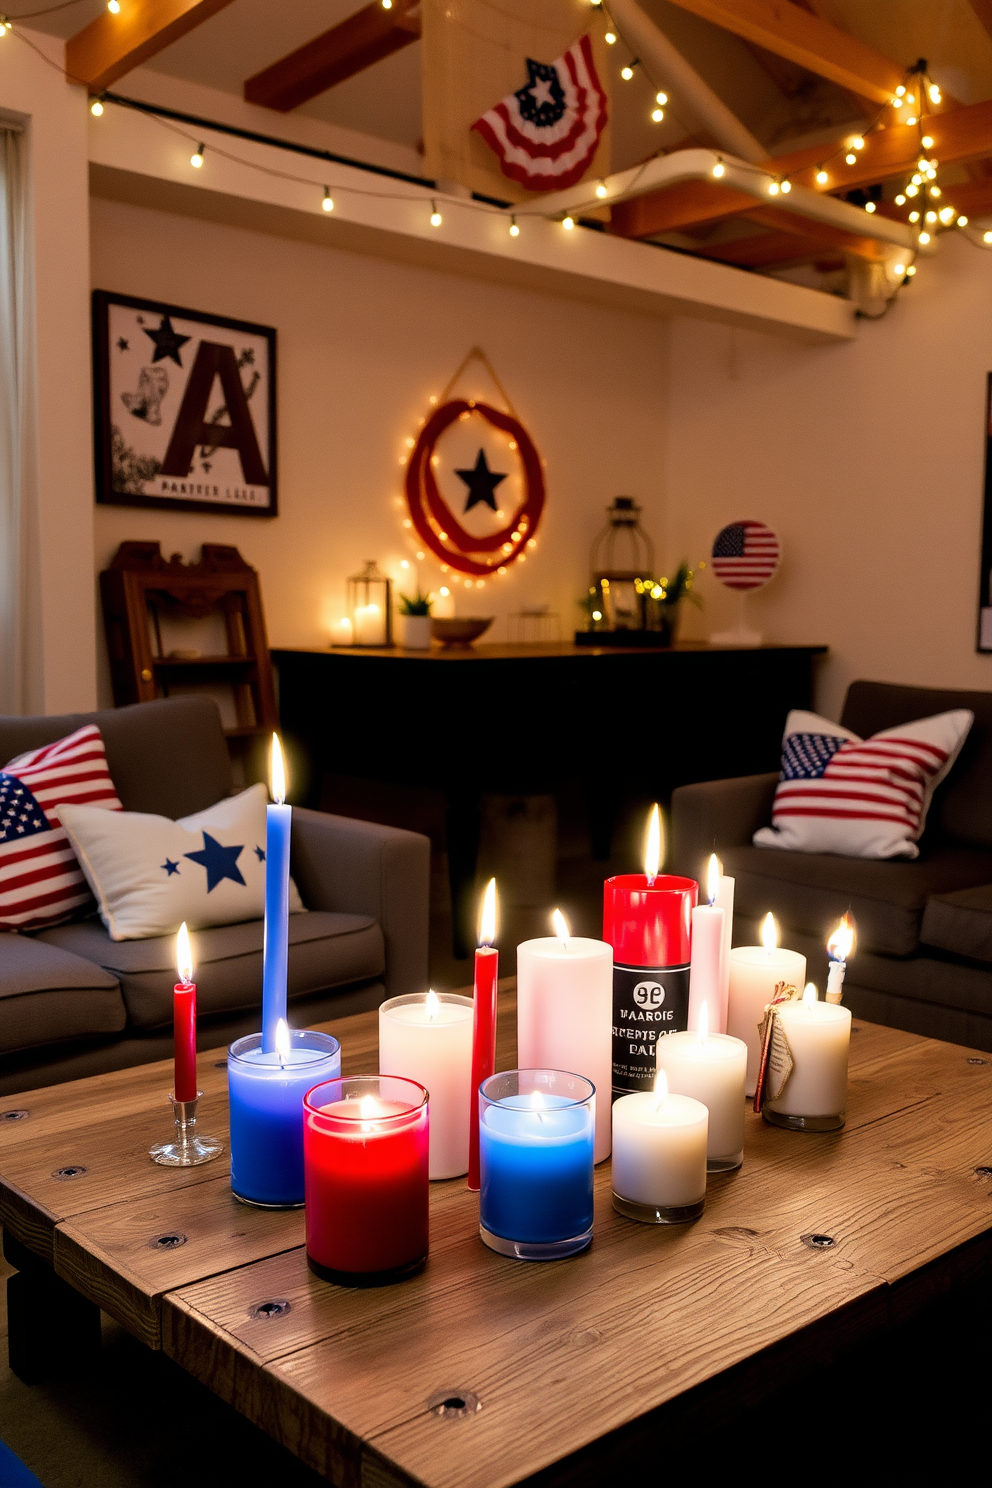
(984, 642)
(185, 408)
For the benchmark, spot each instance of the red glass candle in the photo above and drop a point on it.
(484, 1028)
(366, 1166)
(184, 1021)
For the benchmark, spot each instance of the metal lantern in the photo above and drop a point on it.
(622, 569)
(370, 607)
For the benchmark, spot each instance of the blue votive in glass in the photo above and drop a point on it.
(266, 1104)
(536, 1134)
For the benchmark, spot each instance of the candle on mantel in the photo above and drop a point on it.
(342, 633)
(711, 1068)
(184, 1020)
(275, 955)
(484, 1025)
(814, 1094)
(839, 948)
(429, 1039)
(706, 957)
(755, 972)
(370, 627)
(564, 1013)
(659, 1155)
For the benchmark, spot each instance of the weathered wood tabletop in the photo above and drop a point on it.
(574, 1363)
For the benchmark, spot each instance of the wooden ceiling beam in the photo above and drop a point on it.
(789, 31)
(346, 49)
(112, 45)
(763, 250)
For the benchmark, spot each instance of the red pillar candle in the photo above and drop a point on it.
(366, 1166)
(484, 1028)
(184, 1020)
(647, 919)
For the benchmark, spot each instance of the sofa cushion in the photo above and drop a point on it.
(325, 950)
(960, 923)
(810, 891)
(48, 995)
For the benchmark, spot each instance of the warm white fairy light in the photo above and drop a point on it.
(821, 177)
(568, 223)
(514, 229)
(719, 169)
(96, 108)
(196, 159)
(436, 218)
(328, 202)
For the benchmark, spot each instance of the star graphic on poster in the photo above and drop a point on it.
(167, 341)
(481, 482)
(220, 862)
(169, 867)
(260, 854)
(123, 344)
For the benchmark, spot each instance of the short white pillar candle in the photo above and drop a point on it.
(428, 1038)
(814, 1096)
(755, 971)
(711, 1068)
(659, 1156)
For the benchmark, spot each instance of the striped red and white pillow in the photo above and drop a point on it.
(860, 798)
(40, 880)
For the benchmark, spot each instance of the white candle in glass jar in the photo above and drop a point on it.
(429, 1039)
(711, 1068)
(755, 971)
(565, 1014)
(370, 626)
(819, 1038)
(659, 1152)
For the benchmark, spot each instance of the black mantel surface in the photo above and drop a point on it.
(522, 718)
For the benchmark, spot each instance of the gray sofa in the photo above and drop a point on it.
(73, 1002)
(924, 954)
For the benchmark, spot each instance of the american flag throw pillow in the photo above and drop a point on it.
(860, 798)
(40, 880)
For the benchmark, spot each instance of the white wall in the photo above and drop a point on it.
(866, 458)
(363, 343)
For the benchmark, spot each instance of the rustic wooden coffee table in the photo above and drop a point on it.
(484, 1371)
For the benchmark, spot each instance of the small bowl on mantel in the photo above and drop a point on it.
(461, 630)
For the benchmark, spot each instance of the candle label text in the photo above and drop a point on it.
(648, 1003)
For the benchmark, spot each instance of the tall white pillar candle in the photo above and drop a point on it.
(429, 1039)
(724, 900)
(814, 1097)
(706, 959)
(711, 1068)
(659, 1156)
(565, 1014)
(755, 971)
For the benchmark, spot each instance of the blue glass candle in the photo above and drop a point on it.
(266, 1093)
(536, 1140)
(275, 954)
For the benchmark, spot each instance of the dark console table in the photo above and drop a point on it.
(522, 718)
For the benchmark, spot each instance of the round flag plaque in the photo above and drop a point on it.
(745, 555)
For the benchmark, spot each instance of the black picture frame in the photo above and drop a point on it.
(165, 409)
(983, 639)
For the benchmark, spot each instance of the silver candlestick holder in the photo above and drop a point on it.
(188, 1149)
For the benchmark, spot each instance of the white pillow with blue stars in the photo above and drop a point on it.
(149, 873)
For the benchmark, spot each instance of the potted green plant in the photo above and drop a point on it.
(413, 623)
(665, 597)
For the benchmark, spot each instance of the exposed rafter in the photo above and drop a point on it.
(346, 49)
(111, 45)
(763, 250)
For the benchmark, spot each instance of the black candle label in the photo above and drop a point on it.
(648, 1003)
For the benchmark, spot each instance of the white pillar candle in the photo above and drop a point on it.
(659, 1155)
(814, 1096)
(370, 626)
(755, 971)
(711, 1068)
(565, 1014)
(706, 959)
(429, 1039)
(724, 900)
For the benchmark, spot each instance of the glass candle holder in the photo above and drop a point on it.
(428, 1038)
(265, 1093)
(659, 1157)
(814, 1097)
(711, 1068)
(536, 1148)
(366, 1155)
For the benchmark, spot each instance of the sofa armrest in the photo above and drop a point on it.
(717, 814)
(358, 867)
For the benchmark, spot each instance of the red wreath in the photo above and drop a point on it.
(435, 523)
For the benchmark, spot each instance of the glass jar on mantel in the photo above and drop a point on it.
(621, 601)
(370, 604)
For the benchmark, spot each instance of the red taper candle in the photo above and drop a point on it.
(184, 1020)
(484, 1028)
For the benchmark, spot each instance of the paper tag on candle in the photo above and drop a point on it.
(775, 1063)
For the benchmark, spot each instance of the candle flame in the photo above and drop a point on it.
(769, 932)
(277, 772)
(702, 1024)
(184, 956)
(561, 928)
(487, 915)
(282, 1039)
(433, 1005)
(369, 1107)
(538, 1104)
(811, 995)
(714, 872)
(660, 1090)
(654, 850)
(841, 942)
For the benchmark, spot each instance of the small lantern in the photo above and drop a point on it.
(622, 569)
(370, 607)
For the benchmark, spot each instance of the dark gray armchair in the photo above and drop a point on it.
(73, 1002)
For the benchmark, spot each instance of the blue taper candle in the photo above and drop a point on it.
(278, 826)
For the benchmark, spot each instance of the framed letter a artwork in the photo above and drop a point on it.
(185, 408)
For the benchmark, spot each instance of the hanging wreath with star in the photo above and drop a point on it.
(433, 517)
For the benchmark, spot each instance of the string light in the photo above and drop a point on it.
(899, 269)
(661, 98)
(821, 177)
(719, 169)
(869, 206)
(568, 223)
(935, 95)
(911, 121)
(786, 187)
(628, 72)
(328, 202)
(924, 237)
(610, 38)
(914, 216)
(857, 142)
(910, 271)
(514, 229)
(387, 4)
(436, 218)
(927, 142)
(987, 237)
(601, 190)
(850, 158)
(900, 200)
(657, 115)
(96, 108)
(196, 159)
(114, 6)
(773, 188)
(4, 25)
(962, 220)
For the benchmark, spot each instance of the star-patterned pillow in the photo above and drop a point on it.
(149, 873)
